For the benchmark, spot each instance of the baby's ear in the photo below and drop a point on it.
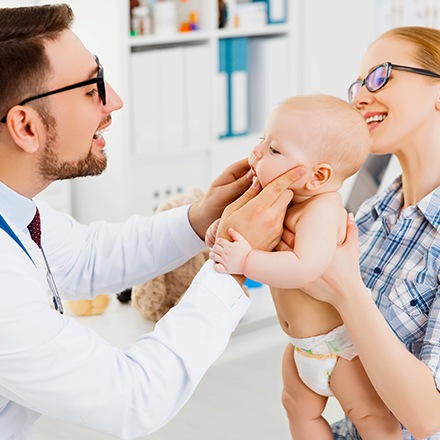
(320, 175)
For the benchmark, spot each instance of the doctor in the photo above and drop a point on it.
(54, 104)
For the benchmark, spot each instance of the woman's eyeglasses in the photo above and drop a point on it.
(380, 76)
(99, 81)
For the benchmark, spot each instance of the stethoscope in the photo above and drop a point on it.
(50, 280)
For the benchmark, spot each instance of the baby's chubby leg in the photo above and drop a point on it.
(303, 406)
(359, 400)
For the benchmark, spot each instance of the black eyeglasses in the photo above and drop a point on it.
(380, 76)
(99, 81)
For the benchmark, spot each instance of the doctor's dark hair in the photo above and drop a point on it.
(25, 66)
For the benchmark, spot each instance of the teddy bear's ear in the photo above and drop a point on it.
(196, 194)
(165, 205)
(180, 200)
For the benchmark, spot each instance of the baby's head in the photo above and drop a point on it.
(323, 133)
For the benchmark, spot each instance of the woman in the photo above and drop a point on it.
(397, 334)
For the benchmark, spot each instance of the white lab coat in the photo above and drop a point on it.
(50, 364)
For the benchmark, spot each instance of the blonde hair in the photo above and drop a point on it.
(426, 42)
(337, 133)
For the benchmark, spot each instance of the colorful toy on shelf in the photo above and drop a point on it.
(190, 21)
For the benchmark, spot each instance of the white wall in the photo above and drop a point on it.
(333, 38)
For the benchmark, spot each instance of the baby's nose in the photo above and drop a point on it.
(258, 151)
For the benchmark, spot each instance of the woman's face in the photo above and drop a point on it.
(405, 108)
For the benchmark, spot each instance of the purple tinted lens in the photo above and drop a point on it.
(376, 79)
(354, 90)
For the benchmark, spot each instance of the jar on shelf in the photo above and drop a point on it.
(164, 17)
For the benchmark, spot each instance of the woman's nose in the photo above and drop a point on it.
(364, 97)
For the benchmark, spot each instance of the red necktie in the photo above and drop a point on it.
(35, 228)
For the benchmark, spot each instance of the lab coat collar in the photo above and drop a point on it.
(18, 209)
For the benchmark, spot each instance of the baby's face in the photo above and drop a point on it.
(279, 149)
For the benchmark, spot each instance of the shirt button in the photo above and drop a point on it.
(413, 302)
(377, 270)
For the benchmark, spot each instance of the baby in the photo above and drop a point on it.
(330, 138)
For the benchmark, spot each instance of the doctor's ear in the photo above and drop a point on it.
(320, 175)
(25, 128)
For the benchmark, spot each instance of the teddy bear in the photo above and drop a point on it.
(155, 297)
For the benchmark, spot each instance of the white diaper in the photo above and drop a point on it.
(316, 357)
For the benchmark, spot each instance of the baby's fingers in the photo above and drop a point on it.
(218, 267)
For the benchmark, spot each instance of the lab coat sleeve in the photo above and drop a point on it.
(52, 365)
(108, 258)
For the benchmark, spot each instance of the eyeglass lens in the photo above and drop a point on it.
(374, 81)
(377, 78)
(101, 82)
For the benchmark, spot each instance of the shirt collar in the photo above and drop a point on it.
(18, 209)
(390, 202)
(429, 206)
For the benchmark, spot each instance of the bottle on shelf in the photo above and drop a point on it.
(222, 14)
(140, 20)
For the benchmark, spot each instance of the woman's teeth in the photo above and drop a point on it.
(375, 118)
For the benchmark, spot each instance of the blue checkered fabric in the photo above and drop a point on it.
(400, 264)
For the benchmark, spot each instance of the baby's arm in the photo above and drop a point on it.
(238, 257)
(316, 239)
(230, 256)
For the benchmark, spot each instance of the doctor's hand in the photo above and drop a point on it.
(232, 183)
(342, 278)
(259, 213)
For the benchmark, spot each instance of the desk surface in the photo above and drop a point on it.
(122, 324)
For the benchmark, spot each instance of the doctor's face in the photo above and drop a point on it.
(74, 119)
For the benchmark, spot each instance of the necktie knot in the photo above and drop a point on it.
(35, 228)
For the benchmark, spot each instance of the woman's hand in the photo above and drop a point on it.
(343, 274)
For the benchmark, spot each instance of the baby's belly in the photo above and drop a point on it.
(301, 316)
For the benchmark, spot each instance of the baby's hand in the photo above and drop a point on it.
(230, 256)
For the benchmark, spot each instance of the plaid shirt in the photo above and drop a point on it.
(400, 264)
